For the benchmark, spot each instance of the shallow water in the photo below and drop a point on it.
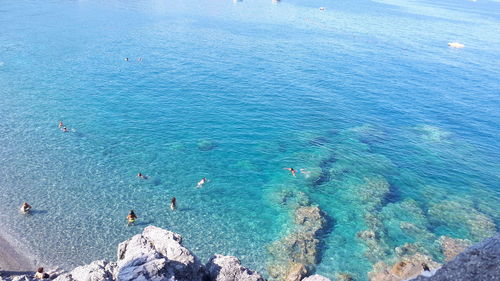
(360, 95)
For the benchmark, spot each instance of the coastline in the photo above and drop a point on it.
(12, 260)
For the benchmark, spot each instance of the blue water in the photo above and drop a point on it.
(364, 92)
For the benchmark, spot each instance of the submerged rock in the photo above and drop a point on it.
(452, 247)
(342, 277)
(406, 268)
(433, 133)
(480, 262)
(295, 255)
(460, 216)
(227, 268)
(206, 145)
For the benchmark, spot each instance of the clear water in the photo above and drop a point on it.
(364, 91)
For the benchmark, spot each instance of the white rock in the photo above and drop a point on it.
(228, 268)
(316, 277)
(157, 255)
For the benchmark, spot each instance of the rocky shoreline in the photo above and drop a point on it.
(159, 255)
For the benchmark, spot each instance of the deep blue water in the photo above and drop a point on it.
(361, 92)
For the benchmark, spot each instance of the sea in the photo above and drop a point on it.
(390, 130)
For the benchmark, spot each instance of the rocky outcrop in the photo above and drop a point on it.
(406, 268)
(157, 253)
(227, 268)
(316, 277)
(95, 271)
(452, 247)
(480, 262)
(295, 255)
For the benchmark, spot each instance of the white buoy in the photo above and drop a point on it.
(456, 45)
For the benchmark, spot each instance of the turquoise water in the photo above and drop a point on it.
(363, 95)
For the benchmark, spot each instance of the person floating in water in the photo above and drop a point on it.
(292, 170)
(61, 125)
(201, 182)
(131, 217)
(25, 208)
(125, 59)
(140, 175)
(173, 203)
(64, 129)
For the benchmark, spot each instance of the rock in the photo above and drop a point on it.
(206, 145)
(408, 267)
(296, 272)
(480, 262)
(366, 234)
(452, 247)
(228, 268)
(317, 277)
(296, 254)
(407, 249)
(23, 278)
(340, 277)
(157, 254)
(462, 218)
(95, 271)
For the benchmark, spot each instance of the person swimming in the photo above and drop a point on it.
(173, 203)
(61, 125)
(131, 217)
(201, 182)
(64, 129)
(140, 175)
(126, 59)
(292, 170)
(25, 208)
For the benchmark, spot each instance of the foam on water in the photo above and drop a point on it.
(397, 133)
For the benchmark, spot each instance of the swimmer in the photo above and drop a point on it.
(201, 182)
(25, 208)
(173, 203)
(64, 129)
(292, 170)
(61, 124)
(125, 59)
(139, 59)
(131, 217)
(140, 175)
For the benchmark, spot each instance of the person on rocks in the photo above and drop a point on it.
(40, 274)
(131, 217)
(25, 208)
(173, 203)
